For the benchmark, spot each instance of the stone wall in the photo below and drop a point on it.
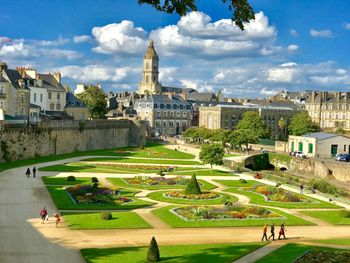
(59, 137)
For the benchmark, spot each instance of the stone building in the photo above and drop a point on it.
(76, 108)
(330, 110)
(227, 116)
(164, 114)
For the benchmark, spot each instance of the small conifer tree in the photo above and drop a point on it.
(193, 186)
(153, 251)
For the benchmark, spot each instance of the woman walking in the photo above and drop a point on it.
(272, 232)
(264, 233)
(28, 173)
(57, 217)
(282, 232)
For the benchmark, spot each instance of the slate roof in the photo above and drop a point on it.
(201, 97)
(50, 83)
(73, 102)
(320, 135)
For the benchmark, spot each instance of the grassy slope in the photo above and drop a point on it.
(205, 172)
(256, 198)
(64, 202)
(158, 196)
(175, 221)
(121, 183)
(147, 161)
(212, 253)
(87, 221)
(289, 253)
(280, 157)
(333, 217)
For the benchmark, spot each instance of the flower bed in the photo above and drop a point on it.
(233, 212)
(138, 166)
(276, 194)
(202, 196)
(144, 180)
(84, 194)
(315, 256)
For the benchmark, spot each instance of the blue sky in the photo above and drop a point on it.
(293, 45)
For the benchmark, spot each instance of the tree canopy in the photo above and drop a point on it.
(95, 99)
(242, 137)
(252, 122)
(212, 154)
(242, 11)
(301, 124)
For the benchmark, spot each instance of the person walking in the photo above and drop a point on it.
(272, 232)
(28, 173)
(264, 233)
(301, 189)
(57, 218)
(282, 232)
(34, 171)
(43, 214)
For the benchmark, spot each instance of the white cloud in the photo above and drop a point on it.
(197, 85)
(286, 73)
(49, 43)
(341, 71)
(293, 32)
(321, 33)
(81, 39)
(121, 38)
(268, 92)
(14, 50)
(167, 74)
(292, 48)
(347, 26)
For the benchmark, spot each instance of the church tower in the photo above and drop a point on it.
(150, 82)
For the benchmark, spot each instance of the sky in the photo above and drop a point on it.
(291, 45)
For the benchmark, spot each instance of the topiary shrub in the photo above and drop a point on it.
(345, 213)
(71, 178)
(106, 215)
(153, 251)
(94, 180)
(193, 187)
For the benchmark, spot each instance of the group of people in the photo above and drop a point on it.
(281, 233)
(44, 214)
(28, 173)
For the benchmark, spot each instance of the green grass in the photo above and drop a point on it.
(259, 199)
(78, 167)
(237, 183)
(88, 221)
(279, 157)
(204, 172)
(158, 196)
(147, 161)
(332, 217)
(152, 150)
(340, 241)
(208, 253)
(121, 183)
(52, 180)
(175, 221)
(64, 202)
(289, 253)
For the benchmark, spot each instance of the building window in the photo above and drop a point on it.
(147, 66)
(49, 95)
(147, 79)
(58, 106)
(58, 96)
(41, 97)
(22, 111)
(311, 148)
(1, 104)
(168, 106)
(300, 146)
(34, 97)
(52, 106)
(22, 98)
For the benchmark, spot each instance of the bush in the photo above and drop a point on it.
(193, 186)
(94, 180)
(278, 185)
(323, 186)
(345, 213)
(243, 181)
(71, 178)
(106, 215)
(153, 251)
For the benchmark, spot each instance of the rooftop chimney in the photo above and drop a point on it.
(57, 76)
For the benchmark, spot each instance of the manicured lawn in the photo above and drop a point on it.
(342, 241)
(333, 217)
(158, 196)
(86, 221)
(256, 198)
(52, 180)
(78, 167)
(280, 157)
(204, 172)
(173, 220)
(237, 183)
(121, 183)
(134, 160)
(289, 253)
(64, 202)
(212, 253)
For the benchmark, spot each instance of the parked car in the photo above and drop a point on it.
(344, 158)
(338, 156)
(299, 154)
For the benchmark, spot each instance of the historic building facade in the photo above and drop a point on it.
(330, 110)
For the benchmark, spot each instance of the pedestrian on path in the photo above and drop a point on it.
(34, 171)
(28, 173)
(272, 232)
(57, 217)
(282, 232)
(47, 218)
(264, 233)
(301, 189)
(43, 214)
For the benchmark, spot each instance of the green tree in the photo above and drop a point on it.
(252, 121)
(212, 154)
(193, 186)
(301, 124)
(243, 12)
(95, 99)
(243, 137)
(198, 133)
(221, 135)
(153, 251)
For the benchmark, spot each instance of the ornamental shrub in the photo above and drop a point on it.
(71, 178)
(193, 187)
(94, 180)
(106, 215)
(323, 186)
(153, 251)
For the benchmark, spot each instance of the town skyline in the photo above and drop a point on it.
(202, 50)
